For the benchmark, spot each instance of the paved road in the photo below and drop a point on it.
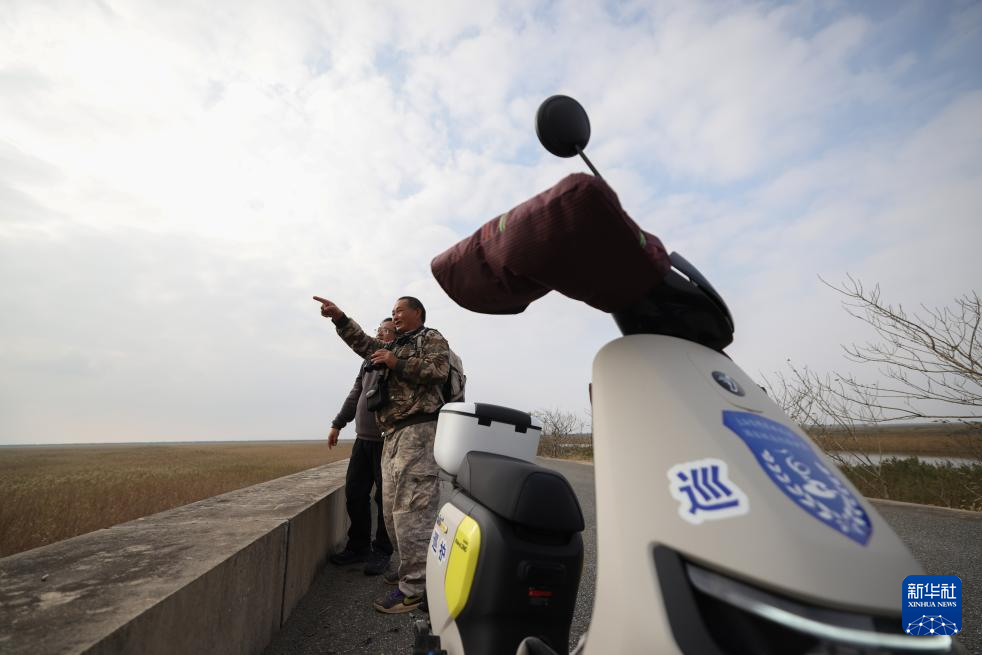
(336, 615)
(945, 542)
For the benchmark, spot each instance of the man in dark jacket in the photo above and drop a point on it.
(364, 471)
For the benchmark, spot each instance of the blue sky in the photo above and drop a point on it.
(177, 180)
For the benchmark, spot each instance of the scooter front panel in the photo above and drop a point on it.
(670, 471)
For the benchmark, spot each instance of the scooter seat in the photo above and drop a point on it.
(521, 492)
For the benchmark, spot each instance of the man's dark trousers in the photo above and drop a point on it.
(365, 471)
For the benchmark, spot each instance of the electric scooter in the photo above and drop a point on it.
(721, 527)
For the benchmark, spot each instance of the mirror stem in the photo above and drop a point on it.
(588, 162)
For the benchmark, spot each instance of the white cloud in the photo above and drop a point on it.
(176, 181)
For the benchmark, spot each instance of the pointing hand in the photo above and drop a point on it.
(328, 308)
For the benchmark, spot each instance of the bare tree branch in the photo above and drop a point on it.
(557, 423)
(933, 358)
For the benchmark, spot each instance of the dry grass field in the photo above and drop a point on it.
(930, 440)
(50, 493)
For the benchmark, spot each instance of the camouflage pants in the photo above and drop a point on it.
(410, 497)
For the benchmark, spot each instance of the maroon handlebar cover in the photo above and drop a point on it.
(573, 238)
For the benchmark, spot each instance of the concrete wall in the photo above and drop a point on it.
(217, 576)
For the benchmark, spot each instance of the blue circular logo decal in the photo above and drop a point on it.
(793, 465)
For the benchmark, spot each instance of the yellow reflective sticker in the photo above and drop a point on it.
(502, 221)
(461, 565)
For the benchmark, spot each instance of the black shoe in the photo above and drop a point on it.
(347, 556)
(377, 564)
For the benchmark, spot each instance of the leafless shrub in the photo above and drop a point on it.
(558, 430)
(930, 364)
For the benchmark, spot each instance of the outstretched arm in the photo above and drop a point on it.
(349, 330)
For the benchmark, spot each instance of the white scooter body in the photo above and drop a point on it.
(658, 406)
(772, 515)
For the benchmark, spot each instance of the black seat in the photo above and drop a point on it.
(521, 492)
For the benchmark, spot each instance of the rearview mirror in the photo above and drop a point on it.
(563, 128)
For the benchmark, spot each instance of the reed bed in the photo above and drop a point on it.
(912, 481)
(932, 440)
(50, 493)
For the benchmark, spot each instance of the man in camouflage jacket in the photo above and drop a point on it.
(418, 365)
